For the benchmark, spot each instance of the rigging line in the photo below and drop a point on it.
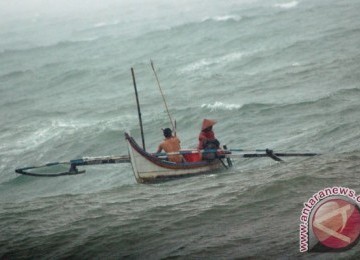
(163, 96)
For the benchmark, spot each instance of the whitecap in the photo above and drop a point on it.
(203, 63)
(197, 65)
(97, 25)
(224, 18)
(103, 24)
(287, 5)
(231, 57)
(221, 106)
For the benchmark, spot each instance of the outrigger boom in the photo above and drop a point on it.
(221, 154)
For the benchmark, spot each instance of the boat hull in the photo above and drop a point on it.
(150, 169)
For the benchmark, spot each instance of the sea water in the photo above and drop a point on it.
(276, 74)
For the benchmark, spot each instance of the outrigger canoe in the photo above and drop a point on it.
(150, 168)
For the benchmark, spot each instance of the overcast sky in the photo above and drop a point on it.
(63, 7)
(53, 7)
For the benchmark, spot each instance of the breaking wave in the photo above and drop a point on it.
(221, 106)
(104, 24)
(206, 62)
(287, 5)
(223, 18)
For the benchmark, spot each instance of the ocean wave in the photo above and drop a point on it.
(58, 130)
(223, 18)
(15, 74)
(221, 106)
(333, 98)
(206, 62)
(249, 107)
(31, 139)
(287, 5)
(46, 133)
(104, 24)
(69, 75)
(53, 45)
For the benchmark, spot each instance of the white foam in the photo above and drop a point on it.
(28, 140)
(225, 18)
(197, 65)
(287, 5)
(42, 135)
(103, 24)
(203, 63)
(221, 106)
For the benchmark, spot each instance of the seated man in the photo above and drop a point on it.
(207, 140)
(171, 144)
(207, 135)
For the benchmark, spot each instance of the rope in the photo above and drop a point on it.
(163, 96)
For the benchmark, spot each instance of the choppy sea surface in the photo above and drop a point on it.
(277, 74)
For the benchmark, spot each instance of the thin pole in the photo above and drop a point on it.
(163, 96)
(138, 108)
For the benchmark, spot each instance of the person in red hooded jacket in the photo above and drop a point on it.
(207, 139)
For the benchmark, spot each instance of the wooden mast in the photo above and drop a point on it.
(138, 108)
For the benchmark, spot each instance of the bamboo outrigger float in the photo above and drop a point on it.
(151, 168)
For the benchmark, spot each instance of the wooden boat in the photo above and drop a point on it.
(149, 168)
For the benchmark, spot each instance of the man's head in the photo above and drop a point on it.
(167, 132)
